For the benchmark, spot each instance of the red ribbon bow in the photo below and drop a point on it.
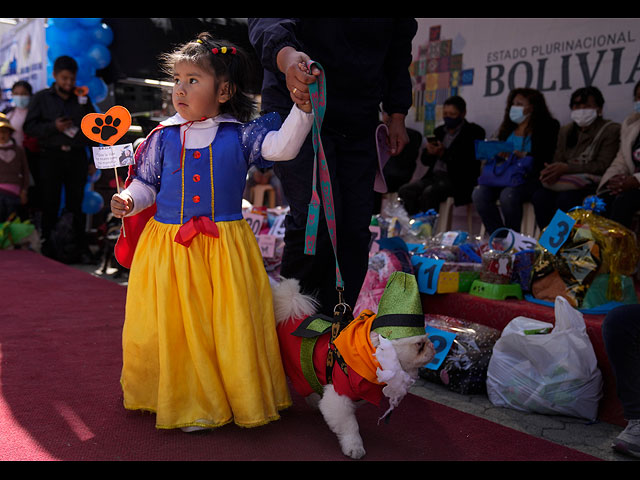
(193, 227)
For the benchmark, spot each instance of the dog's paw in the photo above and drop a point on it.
(352, 446)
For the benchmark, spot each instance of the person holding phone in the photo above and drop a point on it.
(54, 119)
(450, 155)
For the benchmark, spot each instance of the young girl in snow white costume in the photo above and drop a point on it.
(199, 341)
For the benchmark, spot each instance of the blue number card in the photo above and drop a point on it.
(442, 343)
(427, 271)
(557, 232)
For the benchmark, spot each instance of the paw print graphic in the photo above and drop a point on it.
(106, 128)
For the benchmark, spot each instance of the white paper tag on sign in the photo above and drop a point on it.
(113, 156)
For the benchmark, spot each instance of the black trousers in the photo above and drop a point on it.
(57, 169)
(622, 207)
(621, 335)
(352, 166)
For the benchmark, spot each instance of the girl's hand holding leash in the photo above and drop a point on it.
(120, 206)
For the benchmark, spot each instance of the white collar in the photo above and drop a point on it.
(207, 123)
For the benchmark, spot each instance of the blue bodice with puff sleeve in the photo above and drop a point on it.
(212, 179)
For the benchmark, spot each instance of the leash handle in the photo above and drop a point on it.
(318, 92)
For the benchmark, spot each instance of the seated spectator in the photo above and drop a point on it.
(620, 184)
(586, 147)
(450, 156)
(530, 128)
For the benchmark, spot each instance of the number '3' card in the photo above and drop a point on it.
(556, 232)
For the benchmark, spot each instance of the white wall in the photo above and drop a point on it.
(556, 56)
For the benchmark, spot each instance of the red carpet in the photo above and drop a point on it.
(60, 396)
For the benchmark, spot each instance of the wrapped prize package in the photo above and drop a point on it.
(391, 257)
(497, 261)
(464, 368)
(594, 247)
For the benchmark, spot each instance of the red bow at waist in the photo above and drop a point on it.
(193, 227)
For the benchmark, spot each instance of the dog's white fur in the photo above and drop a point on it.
(338, 410)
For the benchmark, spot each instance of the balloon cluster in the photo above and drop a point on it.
(86, 40)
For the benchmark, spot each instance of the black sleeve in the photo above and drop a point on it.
(398, 95)
(269, 35)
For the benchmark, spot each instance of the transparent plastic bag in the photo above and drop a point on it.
(541, 368)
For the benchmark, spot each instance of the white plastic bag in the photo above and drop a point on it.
(547, 373)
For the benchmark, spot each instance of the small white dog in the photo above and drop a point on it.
(382, 354)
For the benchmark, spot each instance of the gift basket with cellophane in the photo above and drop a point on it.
(593, 268)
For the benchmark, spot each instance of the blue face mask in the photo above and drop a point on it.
(20, 101)
(516, 114)
(636, 106)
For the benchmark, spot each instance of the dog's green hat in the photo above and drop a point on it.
(400, 312)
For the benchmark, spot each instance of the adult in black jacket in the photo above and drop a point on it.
(54, 118)
(366, 63)
(453, 168)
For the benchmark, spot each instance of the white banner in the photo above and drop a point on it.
(23, 56)
(483, 59)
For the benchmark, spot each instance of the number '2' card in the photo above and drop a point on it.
(556, 232)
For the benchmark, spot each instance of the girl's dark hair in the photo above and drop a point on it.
(229, 62)
(25, 84)
(540, 115)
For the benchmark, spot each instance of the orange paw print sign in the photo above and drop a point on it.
(106, 128)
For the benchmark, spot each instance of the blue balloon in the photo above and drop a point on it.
(86, 68)
(64, 23)
(99, 55)
(92, 202)
(55, 35)
(89, 22)
(98, 89)
(102, 34)
(93, 178)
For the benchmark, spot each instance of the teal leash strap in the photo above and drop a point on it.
(318, 94)
(313, 215)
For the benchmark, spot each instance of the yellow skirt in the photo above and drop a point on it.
(199, 339)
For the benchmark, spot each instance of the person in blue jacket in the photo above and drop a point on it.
(366, 64)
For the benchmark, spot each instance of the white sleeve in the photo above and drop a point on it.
(284, 144)
(143, 196)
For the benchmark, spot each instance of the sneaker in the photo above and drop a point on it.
(629, 439)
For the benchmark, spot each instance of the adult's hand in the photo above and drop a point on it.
(552, 172)
(63, 123)
(621, 183)
(398, 136)
(294, 64)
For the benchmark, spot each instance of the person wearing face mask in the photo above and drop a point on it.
(620, 184)
(586, 147)
(531, 129)
(21, 93)
(450, 156)
(54, 118)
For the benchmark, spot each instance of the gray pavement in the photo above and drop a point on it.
(579, 434)
(593, 438)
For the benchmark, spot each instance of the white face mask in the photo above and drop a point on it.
(516, 114)
(584, 116)
(21, 101)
